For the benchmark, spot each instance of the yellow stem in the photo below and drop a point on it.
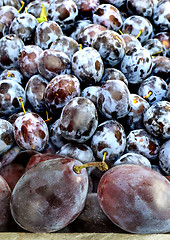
(10, 74)
(147, 96)
(23, 3)
(20, 99)
(121, 32)
(102, 166)
(80, 46)
(48, 119)
(139, 33)
(158, 52)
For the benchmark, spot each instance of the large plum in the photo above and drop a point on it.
(136, 198)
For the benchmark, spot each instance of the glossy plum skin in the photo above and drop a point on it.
(156, 120)
(42, 201)
(60, 90)
(41, 157)
(136, 199)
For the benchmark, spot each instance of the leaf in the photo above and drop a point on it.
(43, 15)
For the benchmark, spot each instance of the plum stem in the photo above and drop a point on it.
(157, 53)
(80, 46)
(22, 5)
(102, 166)
(48, 119)
(147, 96)
(9, 74)
(20, 99)
(139, 33)
(121, 32)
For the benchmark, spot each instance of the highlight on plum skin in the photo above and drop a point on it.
(136, 199)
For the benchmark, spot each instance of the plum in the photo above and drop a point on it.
(136, 198)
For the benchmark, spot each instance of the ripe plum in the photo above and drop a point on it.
(49, 196)
(136, 198)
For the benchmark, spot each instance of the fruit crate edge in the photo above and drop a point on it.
(81, 236)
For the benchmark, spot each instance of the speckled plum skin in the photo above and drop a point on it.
(28, 60)
(35, 89)
(12, 74)
(111, 47)
(113, 73)
(156, 85)
(91, 93)
(134, 24)
(31, 132)
(144, 8)
(137, 65)
(156, 120)
(88, 33)
(88, 66)
(81, 152)
(6, 136)
(161, 67)
(108, 16)
(24, 27)
(136, 198)
(61, 90)
(10, 91)
(34, 7)
(113, 99)
(7, 14)
(164, 157)
(138, 105)
(55, 135)
(63, 12)
(53, 193)
(46, 33)
(161, 16)
(155, 47)
(10, 46)
(109, 137)
(140, 141)
(133, 158)
(130, 41)
(66, 44)
(78, 120)
(5, 196)
(53, 62)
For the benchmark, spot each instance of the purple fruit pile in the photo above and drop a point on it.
(85, 84)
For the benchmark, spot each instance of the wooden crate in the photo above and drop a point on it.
(81, 236)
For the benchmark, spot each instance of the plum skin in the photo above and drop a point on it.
(136, 199)
(49, 196)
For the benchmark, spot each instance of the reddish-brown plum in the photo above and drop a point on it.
(136, 198)
(49, 196)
